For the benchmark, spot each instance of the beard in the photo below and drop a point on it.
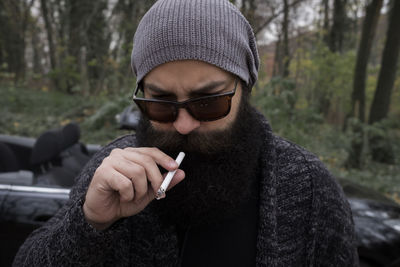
(221, 169)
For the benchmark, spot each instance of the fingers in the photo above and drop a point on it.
(147, 164)
(135, 173)
(118, 182)
(157, 155)
(120, 185)
(149, 158)
(135, 189)
(140, 165)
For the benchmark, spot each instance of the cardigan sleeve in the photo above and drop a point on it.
(67, 239)
(334, 240)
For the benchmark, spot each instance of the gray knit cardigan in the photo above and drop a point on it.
(304, 220)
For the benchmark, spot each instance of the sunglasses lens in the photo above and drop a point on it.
(162, 112)
(210, 109)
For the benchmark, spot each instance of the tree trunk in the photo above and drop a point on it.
(387, 73)
(285, 32)
(36, 49)
(277, 58)
(97, 44)
(76, 16)
(49, 32)
(248, 9)
(325, 26)
(364, 50)
(381, 149)
(75, 19)
(13, 26)
(358, 96)
(336, 34)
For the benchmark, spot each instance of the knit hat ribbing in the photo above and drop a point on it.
(213, 31)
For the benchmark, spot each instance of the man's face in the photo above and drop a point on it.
(186, 79)
(221, 156)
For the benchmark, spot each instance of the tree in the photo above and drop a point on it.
(36, 48)
(325, 25)
(14, 16)
(387, 74)
(285, 31)
(364, 50)
(261, 13)
(96, 40)
(129, 13)
(248, 9)
(282, 48)
(358, 96)
(50, 39)
(337, 32)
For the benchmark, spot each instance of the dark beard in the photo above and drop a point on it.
(221, 169)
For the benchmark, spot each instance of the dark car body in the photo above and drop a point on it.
(23, 209)
(35, 177)
(27, 203)
(377, 225)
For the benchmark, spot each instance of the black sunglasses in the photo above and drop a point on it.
(206, 108)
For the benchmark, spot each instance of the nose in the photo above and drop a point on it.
(185, 123)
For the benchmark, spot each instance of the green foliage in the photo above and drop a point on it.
(67, 75)
(277, 101)
(304, 125)
(382, 138)
(106, 114)
(279, 92)
(29, 112)
(324, 78)
(381, 177)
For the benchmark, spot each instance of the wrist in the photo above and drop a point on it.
(95, 224)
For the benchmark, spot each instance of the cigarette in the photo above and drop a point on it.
(161, 192)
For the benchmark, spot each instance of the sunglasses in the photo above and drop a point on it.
(206, 108)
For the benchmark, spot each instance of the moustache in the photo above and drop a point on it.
(205, 143)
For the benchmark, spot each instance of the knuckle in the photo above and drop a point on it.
(100, 171)
(129, 149)
(105, 161)
(154, 149)
(139, 170)
(126, 183)
(147, 160)
(115, 151)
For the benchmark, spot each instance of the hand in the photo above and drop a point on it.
(125, 183)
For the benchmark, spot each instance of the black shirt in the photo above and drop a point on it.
(231, 242)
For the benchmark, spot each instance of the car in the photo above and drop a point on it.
(377, 225)
(35, 177)
(129, 118)
(37, 185)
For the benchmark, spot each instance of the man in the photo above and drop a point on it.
(241, 197)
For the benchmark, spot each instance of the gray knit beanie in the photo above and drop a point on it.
(213, 31)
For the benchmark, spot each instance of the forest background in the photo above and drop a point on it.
(329, 77)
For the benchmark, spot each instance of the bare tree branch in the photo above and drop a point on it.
(274, 16)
